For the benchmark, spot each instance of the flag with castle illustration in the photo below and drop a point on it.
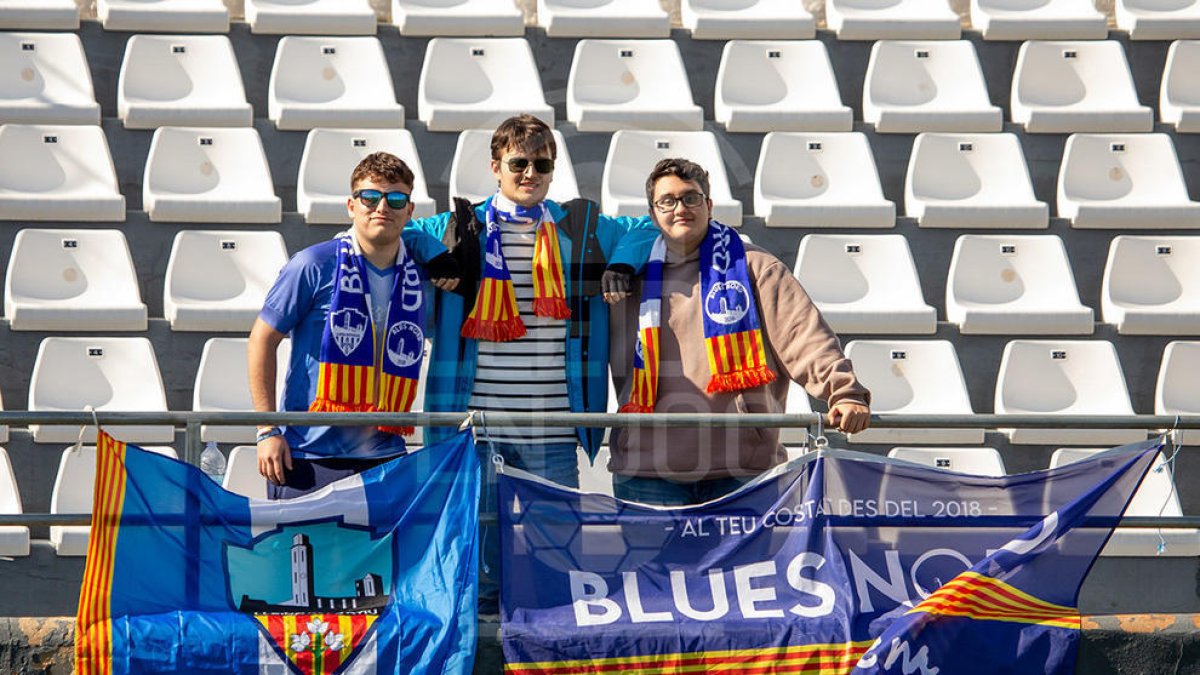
(839, 563)
(373, 574)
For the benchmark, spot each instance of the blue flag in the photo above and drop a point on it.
(838, 562)
(373, 574)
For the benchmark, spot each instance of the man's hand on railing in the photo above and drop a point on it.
(849, 417)
(274, 456)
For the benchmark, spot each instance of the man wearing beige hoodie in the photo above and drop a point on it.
(722, 327)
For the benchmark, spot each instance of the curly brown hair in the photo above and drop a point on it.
(383, 167)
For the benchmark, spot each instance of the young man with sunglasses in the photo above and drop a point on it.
(355, 309)
(722, 327)
(528, 328)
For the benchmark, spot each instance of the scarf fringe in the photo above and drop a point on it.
(551, 308)
(326, 405)
(632, 407)
(399, 431)
(493, 331)
(740, 379)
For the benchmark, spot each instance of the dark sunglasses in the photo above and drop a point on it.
(541, 164)
(370, 198)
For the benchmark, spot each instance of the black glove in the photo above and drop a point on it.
(443, 266)
(618, 278)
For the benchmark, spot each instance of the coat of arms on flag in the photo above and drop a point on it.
(375, 573)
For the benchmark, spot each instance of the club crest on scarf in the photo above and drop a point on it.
(496, 316)
(315, 611)
(352, 377)
(348, 326)
(733, 339)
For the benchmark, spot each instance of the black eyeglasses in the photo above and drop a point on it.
(370, 198)
(668, 203)
(541, 164)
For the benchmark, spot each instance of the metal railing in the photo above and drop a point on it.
(191, 423)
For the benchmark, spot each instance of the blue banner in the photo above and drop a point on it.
(838, 562)
(373, 574)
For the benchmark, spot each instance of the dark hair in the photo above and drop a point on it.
(524, 132)
(383, 167)
(683, 169)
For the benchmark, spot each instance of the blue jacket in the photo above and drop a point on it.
(451, 376)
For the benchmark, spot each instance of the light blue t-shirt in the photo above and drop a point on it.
(297, 305)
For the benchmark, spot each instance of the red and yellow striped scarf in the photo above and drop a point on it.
(495, 316)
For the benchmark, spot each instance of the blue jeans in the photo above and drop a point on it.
(556, 462)
(662, 492)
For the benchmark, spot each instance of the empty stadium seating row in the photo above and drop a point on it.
(910, 86)
(813, 180)
(1059, 377)
(72, 280)
(706, 19)
(73, 487)
(216, 281)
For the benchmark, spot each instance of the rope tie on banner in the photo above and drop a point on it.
(1175, 436)
(83, 428)
(818, 441)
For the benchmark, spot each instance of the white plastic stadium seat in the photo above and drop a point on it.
(594, 476)
(819, 180)
(797, 404)
(431, 18)
(1151, 285)
(912, 377)
(1063, 377)
(1179, 96)
(892, 20)
(1178, 388)
(184, 80)
(975, 461)
(331, 82)
(1014, 284)
(631, 156)
(1064, 87)
(44, 79)
(603, 18)
(106, 373)
(747, 20)
(778, 86)
(64, 173)
(1038, 20)
(223, 385)
(1129, 181)
(14, 539)
(927, 86)
(217, 281)
(471, 174)
(72, 280)
(214, 175)
(163, 16)
(310, 17)
(471, 83)
(39, 15)
(1155, 497)
(864, 283)
(74, 487)
(3, 427)
(630, 84)
(330, 156)
(241, 473)
(1159, 19)
(971, 180)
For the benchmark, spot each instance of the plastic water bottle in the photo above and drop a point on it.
(212, 462)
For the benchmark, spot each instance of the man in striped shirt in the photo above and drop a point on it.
(566, 259)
